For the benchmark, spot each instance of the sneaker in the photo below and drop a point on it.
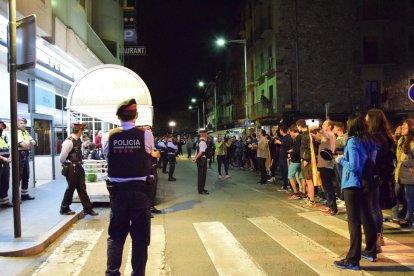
(324, 209)
(294, 196)
(220, 177)
(271, 180)
(369, 257)
(309, 205)
(27, 197)
(322, 200)
(155, 210)
(227, 176)
(67, 212)
(282, 189)
(347, 264)
(330, 213)
(303, 195)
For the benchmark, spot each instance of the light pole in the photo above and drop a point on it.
(194, 100)
(221, 42)
(201, 84)
(198, 114)
(172, 125)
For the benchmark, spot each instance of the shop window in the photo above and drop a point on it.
(370, 50)
(22, 93)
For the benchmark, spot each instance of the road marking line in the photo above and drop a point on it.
(227, 254)
(392, 250)
(70, 256)
(156, 259)
(319, 258)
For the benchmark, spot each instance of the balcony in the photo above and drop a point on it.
(260, 109)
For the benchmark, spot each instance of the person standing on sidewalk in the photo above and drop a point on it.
(172, 151)
(129, 151)
(262, 152)
(24, 141)
(5, 160)
(189, 146)
(71, 159)
(201, 161)
(221, 156)
(285, 142)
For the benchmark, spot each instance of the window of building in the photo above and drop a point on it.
(262, 62)
(270, 54)
(372, 94)
(251, 71)
(22, 93)
(370, 50)
(370, 9)
(411, 43)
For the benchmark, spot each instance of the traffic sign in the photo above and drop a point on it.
(411, 93)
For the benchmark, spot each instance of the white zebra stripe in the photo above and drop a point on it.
(227, 254)
(319, 258)
(70, 256)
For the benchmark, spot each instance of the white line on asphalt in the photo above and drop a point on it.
(156, 258)
(392, 250)
(227, 254)
(70, 256)
(319, 258)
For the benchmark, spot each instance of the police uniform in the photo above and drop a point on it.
(201, 166)
(71, 159)
(164, 155)
(128, 150)
(4, 168)
(24, 140)
(172, 153)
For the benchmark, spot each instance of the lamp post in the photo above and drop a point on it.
(172, 125)
(201, 84)
(198, 114)
(194, 100)
(221, 42)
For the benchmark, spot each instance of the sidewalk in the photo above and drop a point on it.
(41, 223)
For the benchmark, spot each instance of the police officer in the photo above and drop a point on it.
(24, 141)
(162, 145)
(201, 161)
(154, 174)
(5, 160)
(128, 150)
(71, 159)
(172, 153)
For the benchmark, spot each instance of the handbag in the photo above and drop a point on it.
(406, 172)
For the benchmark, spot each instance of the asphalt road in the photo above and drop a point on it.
(241, 228)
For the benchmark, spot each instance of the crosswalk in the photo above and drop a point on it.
(227, 254)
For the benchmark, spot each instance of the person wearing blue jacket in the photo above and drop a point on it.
(359, 146)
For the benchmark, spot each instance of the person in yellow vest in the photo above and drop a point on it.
(5, 160)
(24, 141)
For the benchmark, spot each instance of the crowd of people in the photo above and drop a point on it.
(328, 162)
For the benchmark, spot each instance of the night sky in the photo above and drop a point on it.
(179, 36)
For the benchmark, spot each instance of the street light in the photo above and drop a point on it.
(194, 100)
(172, 125)
(198, 114)
(201, 84)
(222, 42)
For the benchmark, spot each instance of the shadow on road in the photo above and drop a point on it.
(181, 206)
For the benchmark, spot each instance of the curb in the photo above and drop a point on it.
(21, 248)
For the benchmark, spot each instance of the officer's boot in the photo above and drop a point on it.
(114, 258)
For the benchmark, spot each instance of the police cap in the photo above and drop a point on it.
(127, 105)
(203, 130)
(79, 126)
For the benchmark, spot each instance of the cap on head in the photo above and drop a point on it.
(77, 126)
(127, 105)
(202, 131)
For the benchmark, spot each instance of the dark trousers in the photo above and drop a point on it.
(202, 173)
(164, 161)
(76, 180)
(400, 195)
(24, 171)
(171, 161)
(221, 159)
(327, 176)
(128, 217)
(188, 152)
(154, 172)
(359, 211)
(4, 182)
(262, 168)
(283, 165)
(273, 168)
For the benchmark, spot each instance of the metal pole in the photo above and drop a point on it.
(297, 55)
(215, 107)
(198, 118)
(245, 79)
(13, 119)
(204, 116)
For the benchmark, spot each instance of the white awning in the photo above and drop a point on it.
(99, 91)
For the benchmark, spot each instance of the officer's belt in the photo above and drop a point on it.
(130, 185)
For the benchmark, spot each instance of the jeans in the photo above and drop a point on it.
(400, 194)
(376, 210)
(409, 196)
(359, 211)
(262, 168)
(221, 159)
(327, 176)
(283, 165)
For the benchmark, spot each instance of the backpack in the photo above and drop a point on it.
(370, 178)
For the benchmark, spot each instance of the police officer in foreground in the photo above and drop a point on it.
(71, 159)
(24, 141)
(129, 150)
(5, 160)
(201, 161)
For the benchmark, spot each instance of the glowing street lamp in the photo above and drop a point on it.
(201, 85)
(172, 125)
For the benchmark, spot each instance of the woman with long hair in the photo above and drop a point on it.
(380, 129)
(405, 150)
(359, 147)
